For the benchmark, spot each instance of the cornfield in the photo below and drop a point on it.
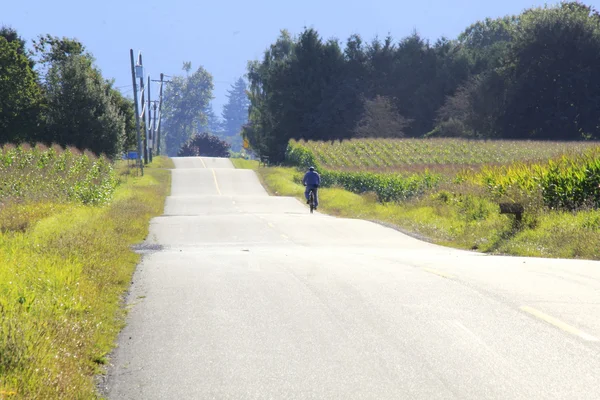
(56, 174)
(399, 155)
(565, 175)
(566, 183)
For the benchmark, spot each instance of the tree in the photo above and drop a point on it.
(204, 145)
(264, 128)
(235, 114)
(185, 102)
(534, 77)
(415, 90)
(473, 111)
(80, 108)
(296, 92)
(20, 94)
(486, 43)
(381, 120)
(212, 124)
(552, 81)
(12, 36)
(352, 89)
(125, 108)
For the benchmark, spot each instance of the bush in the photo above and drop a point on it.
(205, 145)
(388, 187)
(299, 156)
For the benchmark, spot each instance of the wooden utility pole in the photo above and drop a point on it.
(154, 142)
(137, 113)
(160, 97)
(143, 114)
(150, 133)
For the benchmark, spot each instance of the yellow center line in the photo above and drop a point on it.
(559, 324)
(202, 161)
(438, 273)
(216, 183)
(283, 235)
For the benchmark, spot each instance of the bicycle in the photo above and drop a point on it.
(311, 200)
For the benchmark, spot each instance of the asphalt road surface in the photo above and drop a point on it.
(245, 296)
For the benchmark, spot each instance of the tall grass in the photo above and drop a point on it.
(65, 266)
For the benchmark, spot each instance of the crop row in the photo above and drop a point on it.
(54, 174)
(568, 183)
(397, 154)
(387, 186)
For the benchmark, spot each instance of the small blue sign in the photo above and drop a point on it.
(132, 155)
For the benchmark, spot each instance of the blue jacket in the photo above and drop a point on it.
(311, 178)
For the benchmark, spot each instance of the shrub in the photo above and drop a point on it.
(204, 145)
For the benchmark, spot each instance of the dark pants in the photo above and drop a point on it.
(316, 193)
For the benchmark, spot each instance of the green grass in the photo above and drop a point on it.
(244, 164)
(65, 268)
(466, 221)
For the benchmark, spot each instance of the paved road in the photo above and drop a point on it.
(251, 297)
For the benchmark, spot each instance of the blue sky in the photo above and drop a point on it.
(222, 35)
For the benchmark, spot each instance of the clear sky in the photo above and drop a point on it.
(222, 35)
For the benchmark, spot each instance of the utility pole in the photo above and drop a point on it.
(150, 133)
(160, 97)
(137, 113)
(154, 142)
(159, 112)
(143, 114)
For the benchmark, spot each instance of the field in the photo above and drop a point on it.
(438, 155)
(54, 174)
(560, 175)
(67, 221)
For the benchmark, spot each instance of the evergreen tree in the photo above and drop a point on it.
(235, 114)
(20, 95)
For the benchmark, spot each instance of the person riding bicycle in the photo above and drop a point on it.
(312, 180)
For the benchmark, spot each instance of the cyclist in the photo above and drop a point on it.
(312, 180)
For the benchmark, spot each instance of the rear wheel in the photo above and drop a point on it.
(311, 201)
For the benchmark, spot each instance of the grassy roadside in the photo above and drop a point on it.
(64, 271)
(466, 222)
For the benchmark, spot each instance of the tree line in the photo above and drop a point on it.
(56, 94)
(535, 75)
